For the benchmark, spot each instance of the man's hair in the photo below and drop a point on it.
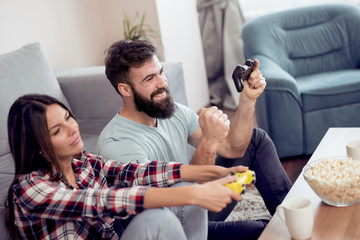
(123, 55)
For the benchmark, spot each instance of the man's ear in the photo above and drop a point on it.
(124, 89)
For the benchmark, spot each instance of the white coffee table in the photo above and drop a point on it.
(330, 222)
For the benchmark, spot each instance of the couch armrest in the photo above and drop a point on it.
(175, 75)
(91, 97)
(278, 109)
(277, 78)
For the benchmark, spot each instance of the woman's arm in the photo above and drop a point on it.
(203, 173)
(213, 195)
(41, 198)
(155, 173)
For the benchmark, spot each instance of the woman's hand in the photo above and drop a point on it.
(214, 195)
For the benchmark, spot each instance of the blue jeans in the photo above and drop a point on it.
(271, 181)
(185, 222)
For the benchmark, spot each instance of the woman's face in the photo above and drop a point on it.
(64, 132)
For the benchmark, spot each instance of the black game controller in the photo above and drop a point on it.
(242, 73)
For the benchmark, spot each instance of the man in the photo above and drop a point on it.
(150, 126)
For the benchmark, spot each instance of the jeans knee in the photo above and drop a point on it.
(259, 133)
(194, 213)
(157, 223)
(260, 137)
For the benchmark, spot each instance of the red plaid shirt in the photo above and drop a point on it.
(47, 209)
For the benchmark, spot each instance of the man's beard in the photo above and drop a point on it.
(163, 109)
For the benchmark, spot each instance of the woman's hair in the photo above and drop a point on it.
(30, 143)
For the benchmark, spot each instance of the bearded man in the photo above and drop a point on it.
(151, 126)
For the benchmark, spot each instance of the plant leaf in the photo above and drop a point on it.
(140, 29)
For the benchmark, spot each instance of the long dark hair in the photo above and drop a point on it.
(30, 144)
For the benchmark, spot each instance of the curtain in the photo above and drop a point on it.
(220, 26)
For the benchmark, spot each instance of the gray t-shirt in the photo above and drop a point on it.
(125, 140)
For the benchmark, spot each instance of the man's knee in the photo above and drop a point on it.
(260, 139)
(260, 134)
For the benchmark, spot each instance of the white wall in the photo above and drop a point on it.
(112, 16)
(75, 33)
(181, 39)
(70, 32)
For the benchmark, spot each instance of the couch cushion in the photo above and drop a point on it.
(22, 71)
(82, 85)
(329, 89)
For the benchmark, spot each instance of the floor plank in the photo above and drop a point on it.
(293, 166)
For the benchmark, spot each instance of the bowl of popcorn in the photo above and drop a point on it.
(336, 180)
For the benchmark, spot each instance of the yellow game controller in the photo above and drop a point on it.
(243, 179)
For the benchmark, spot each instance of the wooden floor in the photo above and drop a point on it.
(292, 165)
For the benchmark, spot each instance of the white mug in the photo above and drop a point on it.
(353, 149)
(298, 215)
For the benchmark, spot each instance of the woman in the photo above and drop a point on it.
(60, 191)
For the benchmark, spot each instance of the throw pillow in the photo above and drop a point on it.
(24, 71)
(21, 72)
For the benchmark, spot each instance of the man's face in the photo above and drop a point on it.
(152, 96)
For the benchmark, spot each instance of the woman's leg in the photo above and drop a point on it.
(194, 219)
(157, 223)
(184, 222)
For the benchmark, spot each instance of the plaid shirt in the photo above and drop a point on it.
(47, 209)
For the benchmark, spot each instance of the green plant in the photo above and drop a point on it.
(140, 30)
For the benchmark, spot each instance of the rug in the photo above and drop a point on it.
(251, 207)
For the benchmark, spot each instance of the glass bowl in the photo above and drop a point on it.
(336, 180)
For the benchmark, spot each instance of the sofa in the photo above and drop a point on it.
(310, 57)
(86, 91)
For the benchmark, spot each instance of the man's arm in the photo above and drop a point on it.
(241, 128)
(209, 137)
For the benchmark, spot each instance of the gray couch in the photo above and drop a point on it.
(86, 91)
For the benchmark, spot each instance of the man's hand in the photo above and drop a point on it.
(213, 130)
(256, 83)
(214, 124)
